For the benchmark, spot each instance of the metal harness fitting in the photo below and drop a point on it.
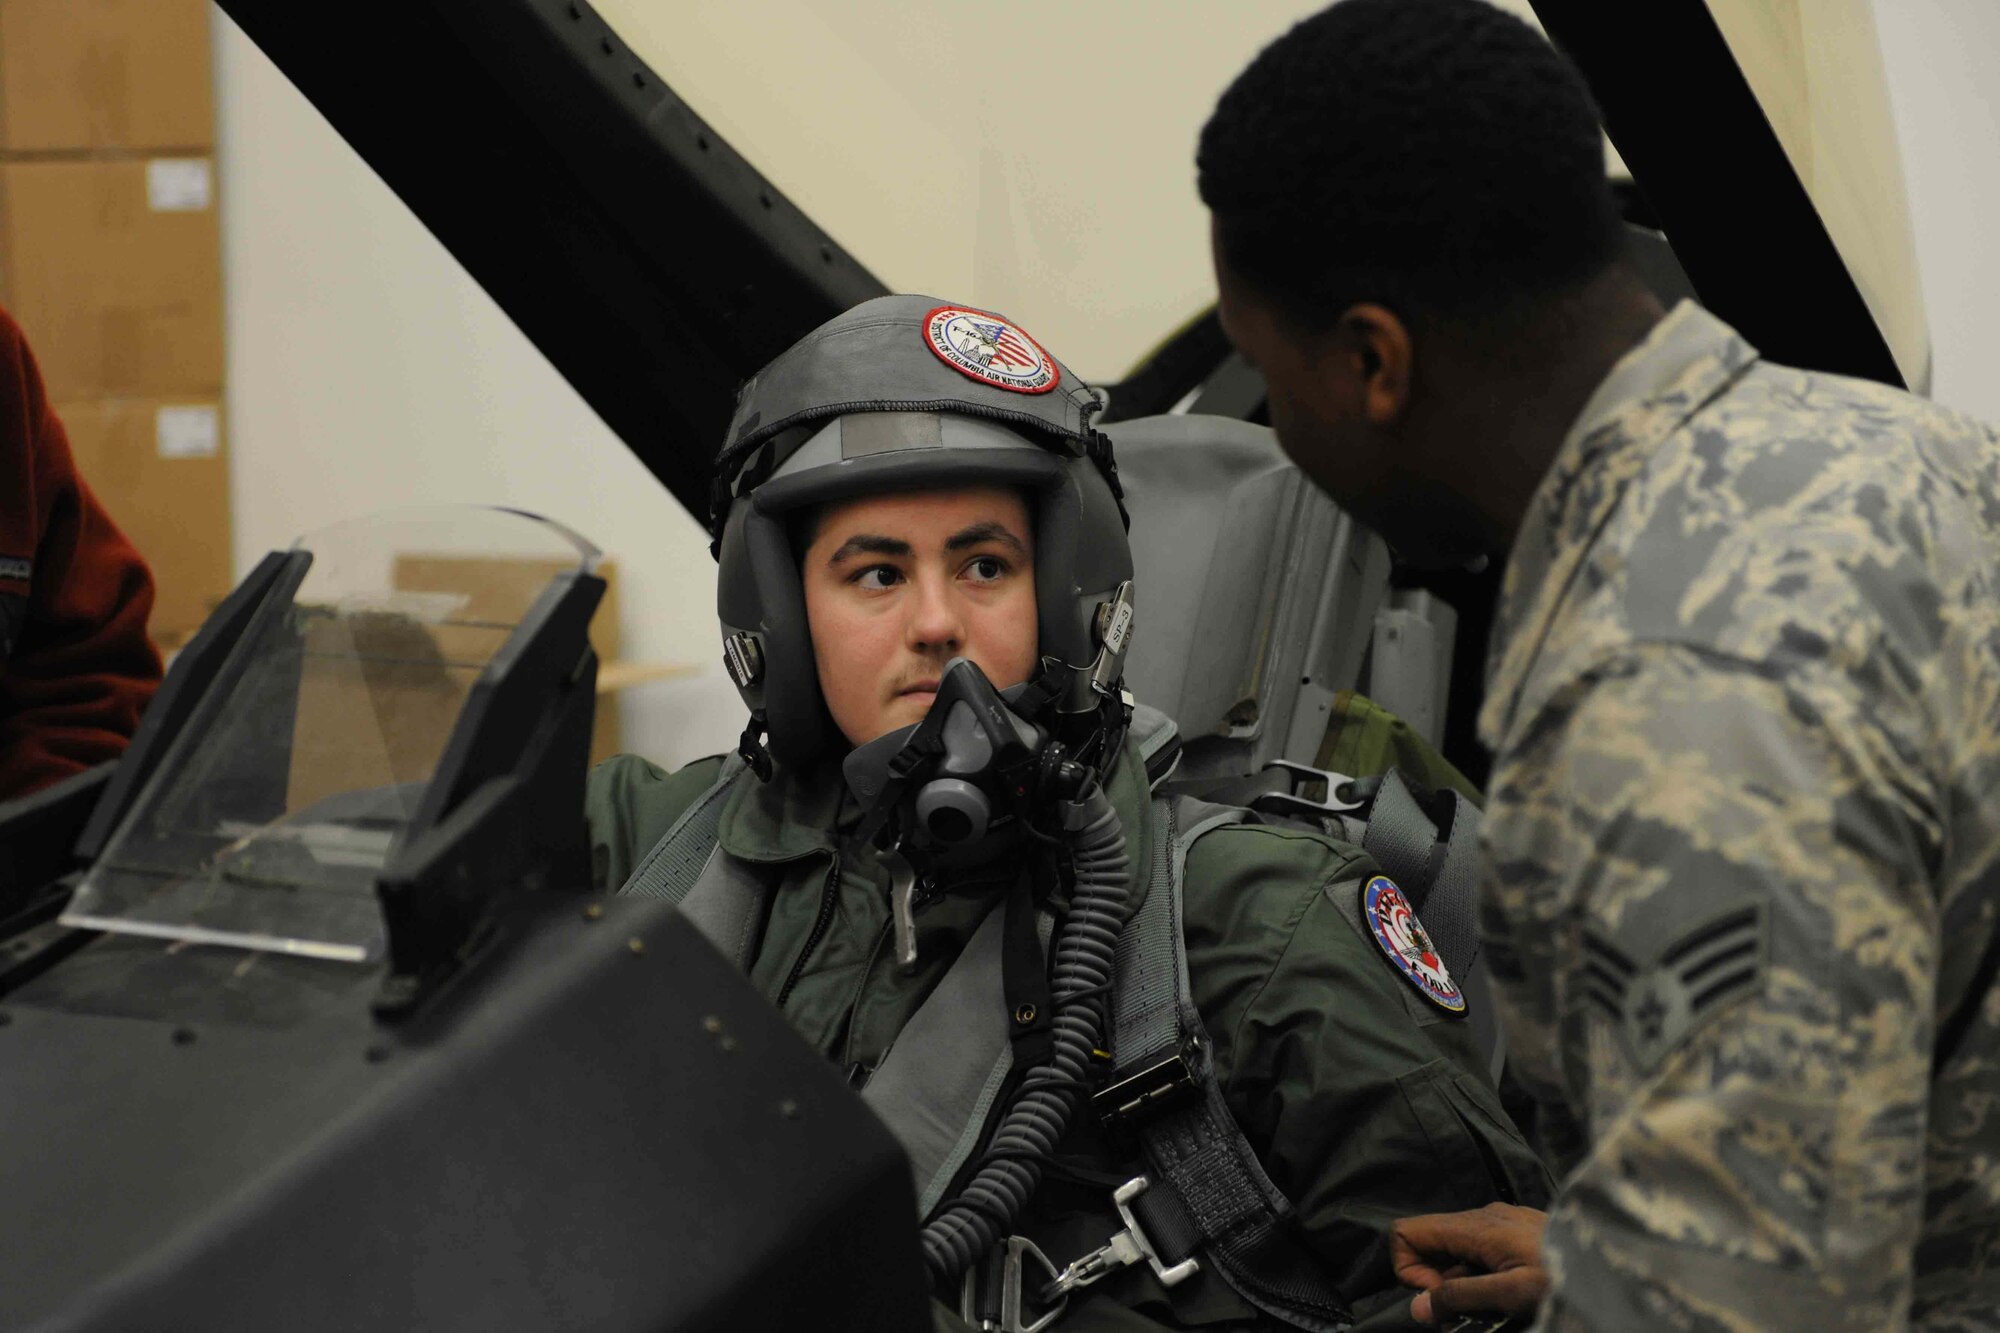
(1127, 1247)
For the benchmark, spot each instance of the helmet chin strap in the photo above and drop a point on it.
(751, 745)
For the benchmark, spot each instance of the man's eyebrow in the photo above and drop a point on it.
(863, 543)
(978, 533)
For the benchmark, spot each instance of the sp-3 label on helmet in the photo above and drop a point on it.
(1403, 938)
(989, 349)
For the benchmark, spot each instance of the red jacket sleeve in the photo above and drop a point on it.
(76, 666)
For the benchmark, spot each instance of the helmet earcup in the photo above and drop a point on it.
(1081, 556)
(758, 593)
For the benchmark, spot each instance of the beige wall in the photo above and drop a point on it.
(1036, 159)
(367, 370)
(1816, 67)
(1939, 59)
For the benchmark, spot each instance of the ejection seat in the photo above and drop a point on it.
(1257, 595)
(1259, 602)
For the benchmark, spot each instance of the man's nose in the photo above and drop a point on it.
(936, 624)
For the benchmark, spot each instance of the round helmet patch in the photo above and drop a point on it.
(1409, 947)
(988, 349)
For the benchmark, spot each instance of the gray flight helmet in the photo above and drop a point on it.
(873, 402)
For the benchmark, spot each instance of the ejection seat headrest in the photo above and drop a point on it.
(1254, 580)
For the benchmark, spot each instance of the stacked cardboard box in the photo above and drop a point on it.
(378, 701)
(110, 259)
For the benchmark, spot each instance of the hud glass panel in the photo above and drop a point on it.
(295, 782)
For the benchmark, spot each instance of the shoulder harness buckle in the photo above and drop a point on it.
(1123, 1250)
(1016, 1307)
(1157, 1087)
(1341, 797)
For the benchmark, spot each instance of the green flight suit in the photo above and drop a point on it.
(1364, 1100)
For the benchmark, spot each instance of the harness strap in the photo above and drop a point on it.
(1210, 1197)
(1151, 1004)
(936, 1087)
(726, 900)
(728, 904)
(938, 1081)
(1440, 873)
(676, 861)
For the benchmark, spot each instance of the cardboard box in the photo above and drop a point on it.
(98, 75)
(378, 698)
(380, 695)
(497, 588)
(160, 467)
(115, 271)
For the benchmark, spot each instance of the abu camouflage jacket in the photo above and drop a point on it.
(1743, 840)
(1364, 1100)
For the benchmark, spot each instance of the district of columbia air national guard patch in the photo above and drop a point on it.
(989, 349)
(1394, 924)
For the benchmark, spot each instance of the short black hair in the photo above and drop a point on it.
(1436, 156)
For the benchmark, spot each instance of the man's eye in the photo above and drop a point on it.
(879, 577)
(986, 568)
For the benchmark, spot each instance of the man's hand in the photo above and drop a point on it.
(1488, 1261)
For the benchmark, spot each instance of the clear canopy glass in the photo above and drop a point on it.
(294, 784)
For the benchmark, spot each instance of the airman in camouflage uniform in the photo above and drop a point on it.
(1744, 844)
(1743, 829)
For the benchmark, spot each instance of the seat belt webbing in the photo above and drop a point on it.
(1441, 875)
(721, 897)
(728, 904)
(676, 861)
(936, 1087)
(1217, 1201)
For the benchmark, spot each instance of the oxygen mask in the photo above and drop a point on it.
(974, 775)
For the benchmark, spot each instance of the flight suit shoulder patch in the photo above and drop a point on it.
(1404, 942)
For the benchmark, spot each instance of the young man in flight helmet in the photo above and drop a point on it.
(1157, 1065)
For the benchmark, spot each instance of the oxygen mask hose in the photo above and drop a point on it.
(1085, 955)
(971, 765)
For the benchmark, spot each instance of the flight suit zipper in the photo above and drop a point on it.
(858, 1071)
(827, 899)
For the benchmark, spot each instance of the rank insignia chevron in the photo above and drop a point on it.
(1655, 1007)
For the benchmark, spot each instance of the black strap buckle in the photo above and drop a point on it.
(1128, 1247)
(1157, 1087)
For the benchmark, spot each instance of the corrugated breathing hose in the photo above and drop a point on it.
(1085, 955)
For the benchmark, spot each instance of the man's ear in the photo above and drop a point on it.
(1379, 345)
